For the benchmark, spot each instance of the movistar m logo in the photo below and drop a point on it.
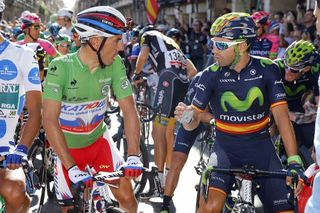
(301, 88)
(241, 105)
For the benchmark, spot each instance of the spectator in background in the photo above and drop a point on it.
(197, 42)
(305, 35)
(63, 43)
(309, 23)
(65, 21)
(287, 34)
(76, 42)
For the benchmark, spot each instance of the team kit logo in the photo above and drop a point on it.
(82, 118)
(242, 123)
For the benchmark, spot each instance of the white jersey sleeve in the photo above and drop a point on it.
(30, 70)
(19, 72)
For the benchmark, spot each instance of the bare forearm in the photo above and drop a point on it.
(58, 143)
(140, 63)
(287, 134)
(31, 129)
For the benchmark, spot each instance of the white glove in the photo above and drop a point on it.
(77, 176)
(133, 167)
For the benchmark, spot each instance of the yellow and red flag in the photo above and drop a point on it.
(152, 9)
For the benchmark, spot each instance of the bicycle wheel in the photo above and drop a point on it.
(50, 171)
(198, 189)
(140, 182)
(37, 156)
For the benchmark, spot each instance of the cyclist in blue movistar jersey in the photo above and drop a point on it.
(19, 84)
(313, 204)
(242, 89)
(300, 78)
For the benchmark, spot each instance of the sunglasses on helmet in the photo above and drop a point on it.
(223, 45)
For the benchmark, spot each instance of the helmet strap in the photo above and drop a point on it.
(237, 57)
(102, 65)
(28, 32)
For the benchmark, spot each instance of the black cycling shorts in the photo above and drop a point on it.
(172, 88)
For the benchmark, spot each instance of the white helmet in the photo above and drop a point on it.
(102, 21)
(2, 6)
(24, 14)
(65, 12)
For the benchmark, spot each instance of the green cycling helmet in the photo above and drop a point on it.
(62, 38)
(234, 26)
(300, 54)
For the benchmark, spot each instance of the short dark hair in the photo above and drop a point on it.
(280, 14)
(318, 4)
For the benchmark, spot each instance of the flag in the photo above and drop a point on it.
(152, 9)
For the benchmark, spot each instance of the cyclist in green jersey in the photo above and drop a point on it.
(75, 98)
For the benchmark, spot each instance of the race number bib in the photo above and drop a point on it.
(175, 58)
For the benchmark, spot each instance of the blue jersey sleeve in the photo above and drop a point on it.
(204, 90)
(135, 50)
(274, 84)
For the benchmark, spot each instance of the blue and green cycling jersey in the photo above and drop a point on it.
(295, 90)
(241, 102)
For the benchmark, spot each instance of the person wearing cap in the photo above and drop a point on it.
(76, 93)
(241, 90)
(19, 85)
(64, 19)
(313, 204)
(63, 43)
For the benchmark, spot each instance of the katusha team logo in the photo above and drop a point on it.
(82, 118)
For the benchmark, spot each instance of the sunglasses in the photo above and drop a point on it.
(294, 70)
(64, 45)
(36, 27)
(223, 45)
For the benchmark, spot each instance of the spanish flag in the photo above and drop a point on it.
(152, 9)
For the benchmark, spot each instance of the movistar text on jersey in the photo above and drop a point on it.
(234, 118)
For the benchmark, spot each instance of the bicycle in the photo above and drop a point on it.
(206, 140)
(99, 199)
(143, 97)
(41, 157)
(245, 187)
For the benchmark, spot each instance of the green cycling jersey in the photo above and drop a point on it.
(84, 96)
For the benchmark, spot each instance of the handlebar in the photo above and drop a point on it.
(249, 171)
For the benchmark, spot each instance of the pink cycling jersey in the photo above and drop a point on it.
(45, 44)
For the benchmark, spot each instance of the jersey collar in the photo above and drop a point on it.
(81, 64)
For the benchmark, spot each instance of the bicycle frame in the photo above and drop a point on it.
(99, 198)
